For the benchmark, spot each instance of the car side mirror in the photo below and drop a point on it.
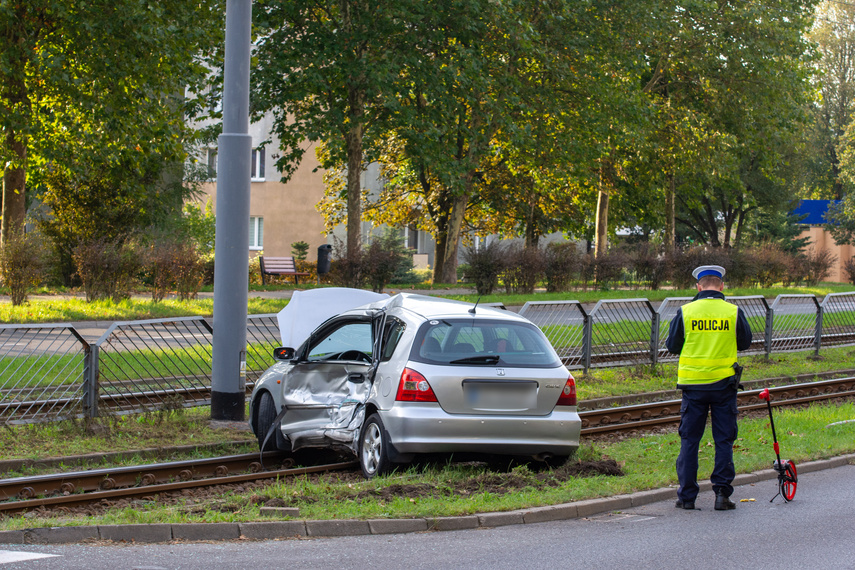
(356, 377)
(283, 353)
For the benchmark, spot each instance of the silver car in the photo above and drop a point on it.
(443, 377)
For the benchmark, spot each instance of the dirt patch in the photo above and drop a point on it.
(498, 483)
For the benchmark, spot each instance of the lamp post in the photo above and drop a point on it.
(231, 276)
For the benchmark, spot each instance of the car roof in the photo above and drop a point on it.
(428, 307)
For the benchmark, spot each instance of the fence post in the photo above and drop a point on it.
(586, 342)
(767, 340)
(817, 341)
(654, 337)
(90, 381)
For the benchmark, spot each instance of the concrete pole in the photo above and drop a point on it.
(231, 277)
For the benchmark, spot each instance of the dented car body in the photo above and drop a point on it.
(413, 374)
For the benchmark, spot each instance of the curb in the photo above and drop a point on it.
(271, 530)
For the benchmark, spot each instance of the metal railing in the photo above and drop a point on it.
(50, 372)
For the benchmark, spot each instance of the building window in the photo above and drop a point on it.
(212, 163)
(258, 164)
(256, 233)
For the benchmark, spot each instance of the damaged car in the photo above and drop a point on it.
(410, 374)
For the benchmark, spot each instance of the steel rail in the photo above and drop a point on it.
(658, 413)
(120, 477)
(77, 499)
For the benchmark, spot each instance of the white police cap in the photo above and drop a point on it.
(704, 270)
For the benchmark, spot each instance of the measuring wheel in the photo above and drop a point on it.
(788, 478)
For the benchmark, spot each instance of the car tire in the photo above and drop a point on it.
(264, 419)
(374, 448)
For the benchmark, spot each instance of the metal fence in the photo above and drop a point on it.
(50, 372)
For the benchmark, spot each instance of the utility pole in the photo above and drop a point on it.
(231, 276)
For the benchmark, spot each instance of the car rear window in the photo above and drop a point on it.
(487, 342)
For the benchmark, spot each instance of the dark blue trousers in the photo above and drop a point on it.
(721, 404)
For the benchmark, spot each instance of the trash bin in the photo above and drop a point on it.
(324, 252)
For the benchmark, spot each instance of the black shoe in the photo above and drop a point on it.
(723, 503)
(688, 505)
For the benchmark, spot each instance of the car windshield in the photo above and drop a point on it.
(483, 342)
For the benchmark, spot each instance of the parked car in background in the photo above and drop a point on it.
(413, 374)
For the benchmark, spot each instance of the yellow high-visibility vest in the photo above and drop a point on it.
(709, 349)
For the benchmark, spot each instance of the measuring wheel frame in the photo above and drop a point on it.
(788, 479)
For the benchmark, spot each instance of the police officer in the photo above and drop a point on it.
(706, 333)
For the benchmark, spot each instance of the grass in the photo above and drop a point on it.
(72, 309)
(114, 433)
(458, 489)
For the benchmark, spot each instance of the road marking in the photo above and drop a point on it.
(619, 517)
(9, 556)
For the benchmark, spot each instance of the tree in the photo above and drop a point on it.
(525, 83)
(732, 81)
(96, 76)
(834, 35)
(322, 69)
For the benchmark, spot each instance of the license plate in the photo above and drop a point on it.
(500, 396)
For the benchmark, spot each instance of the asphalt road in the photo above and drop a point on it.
(813, 531)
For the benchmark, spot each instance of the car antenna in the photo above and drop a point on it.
(472, 310)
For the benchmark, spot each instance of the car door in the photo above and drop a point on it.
(330, 379)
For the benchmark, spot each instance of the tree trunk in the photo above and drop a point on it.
(670, 229)
(14, 180)
(354, 188)
(602, 224)
(353, 138)
(455, 224)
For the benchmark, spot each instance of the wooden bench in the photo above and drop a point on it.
(279, 266)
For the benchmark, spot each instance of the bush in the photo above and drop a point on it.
(300, 250)
(384, 260)
(524, 269)
(22, 264)
(485, 266)
(346, 266)
(562, 262)
(255, 269)
(188, 269)
(107, 269)
(818, 265)
(159, 271)
(682, 262)
(772, 264)
(649, 264)
(849, 269)
(608, 268)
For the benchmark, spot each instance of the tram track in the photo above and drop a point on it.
(65, 490)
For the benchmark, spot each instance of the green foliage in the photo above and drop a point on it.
(107, 269)
(22, 260)
(110, 203)
(82, 89)
(485, 266)
(174, 263)
(300, 250)
(199, 226)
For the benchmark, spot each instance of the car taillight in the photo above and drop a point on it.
(414, 387)
(568, 394)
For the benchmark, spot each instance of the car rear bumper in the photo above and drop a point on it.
(426, 428)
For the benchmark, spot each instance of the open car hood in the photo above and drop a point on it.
(308, 309)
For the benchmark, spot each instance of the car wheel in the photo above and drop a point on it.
(265, 417)
(373, 448)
